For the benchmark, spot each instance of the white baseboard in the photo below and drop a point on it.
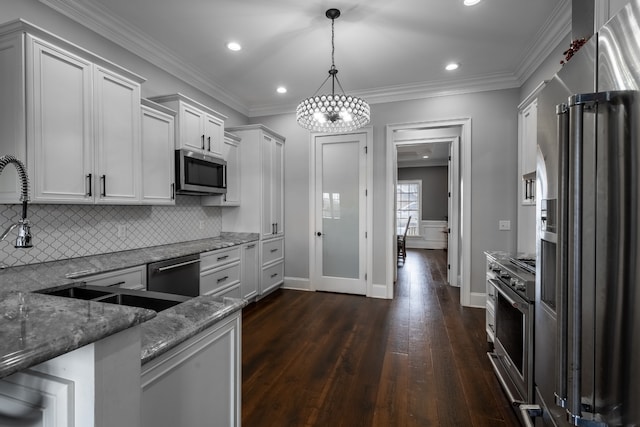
(378, 291)
(297, 283)
(431, 236)
(478, 299)
(415, 243)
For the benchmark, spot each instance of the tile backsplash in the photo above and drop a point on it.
(69, 231)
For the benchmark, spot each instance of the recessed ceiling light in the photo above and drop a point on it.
(425, 157)
(234, 46)
(471, 2)
(281, 89)
(452, 66)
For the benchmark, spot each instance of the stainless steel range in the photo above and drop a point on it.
(512, 280)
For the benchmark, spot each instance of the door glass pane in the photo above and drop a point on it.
(340, 210)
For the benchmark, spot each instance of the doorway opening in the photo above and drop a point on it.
(456, 136)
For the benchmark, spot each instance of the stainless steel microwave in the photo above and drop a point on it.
(200, 174)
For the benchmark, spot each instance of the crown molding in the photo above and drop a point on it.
(412, 92)
(101, 21)
(548, 37)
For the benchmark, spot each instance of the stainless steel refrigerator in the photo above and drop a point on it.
(587, 337)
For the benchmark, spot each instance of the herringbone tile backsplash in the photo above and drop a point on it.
(69, 231)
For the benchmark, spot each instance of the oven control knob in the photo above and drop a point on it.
(504, 274)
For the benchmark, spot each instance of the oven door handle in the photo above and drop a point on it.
(498, 287)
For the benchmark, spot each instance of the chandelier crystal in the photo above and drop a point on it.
(333, 112)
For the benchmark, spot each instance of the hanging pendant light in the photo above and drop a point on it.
(333, 112)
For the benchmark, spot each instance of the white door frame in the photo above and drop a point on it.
(465, 199)
(313, 269)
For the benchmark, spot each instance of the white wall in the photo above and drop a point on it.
(494, 174)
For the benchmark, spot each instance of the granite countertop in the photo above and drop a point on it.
(36, 327)
(181, 322)
(66, 273)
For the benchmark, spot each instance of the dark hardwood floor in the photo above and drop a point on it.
(323, 359)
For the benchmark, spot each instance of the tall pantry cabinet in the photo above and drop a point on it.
(261, 207)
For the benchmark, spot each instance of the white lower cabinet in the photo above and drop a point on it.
(220, 272)
(95, 385)
(272, 262)
(197, 383)
(249, 276)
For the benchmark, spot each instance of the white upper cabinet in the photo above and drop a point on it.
(117, 141)
(198, 128)
(528, 120)
(82, 119)
(158, 176)
(231, 154)
(60, 131)
(262, 190)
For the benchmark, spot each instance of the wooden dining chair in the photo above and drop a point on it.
(402, 243)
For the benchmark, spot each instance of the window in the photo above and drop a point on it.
(409, 204)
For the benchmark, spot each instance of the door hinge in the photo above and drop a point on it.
(449, 157)
(365, 234)
(366, 192)
(448, 266)
(365, 276)
(366, 149)
(449, 230)
(449, 193)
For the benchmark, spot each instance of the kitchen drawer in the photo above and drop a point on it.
(215, 280)
(272, 250)
(272, 276)
(214, 259)
(231, 292)
(130, 278)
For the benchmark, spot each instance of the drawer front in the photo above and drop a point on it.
(214, 281)
(272, 276)
(232, 292)
(130, 278)
(272, 250)
(219, 258)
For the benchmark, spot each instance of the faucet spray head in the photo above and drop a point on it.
(24, 235)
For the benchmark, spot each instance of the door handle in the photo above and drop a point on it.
(318, 234)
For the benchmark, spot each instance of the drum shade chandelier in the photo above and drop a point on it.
(333, 112)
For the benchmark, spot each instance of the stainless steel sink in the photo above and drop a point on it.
(156, 301)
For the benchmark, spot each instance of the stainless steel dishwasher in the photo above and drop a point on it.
(179, 276)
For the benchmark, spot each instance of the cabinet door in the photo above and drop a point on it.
(117, 109)
(12, 120)
(59, 132)
(277, 186)
(249, 275)
(197, 383)
(214, 135)
(231, 153)
(157, 157)
(191, 125)
(268, 225)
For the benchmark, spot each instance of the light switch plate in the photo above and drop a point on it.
(504, 225)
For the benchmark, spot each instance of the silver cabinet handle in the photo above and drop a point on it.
(274, 275)
(182, 264)
(209, 141)
(251, 246)
(222, 279)
(220, 258)
(274, 250)
(116, 284)
(202, 141)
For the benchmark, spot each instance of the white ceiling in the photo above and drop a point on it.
(385, 49)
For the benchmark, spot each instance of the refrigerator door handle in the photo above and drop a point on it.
(562, 112)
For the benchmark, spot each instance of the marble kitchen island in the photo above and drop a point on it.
(76, 362)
